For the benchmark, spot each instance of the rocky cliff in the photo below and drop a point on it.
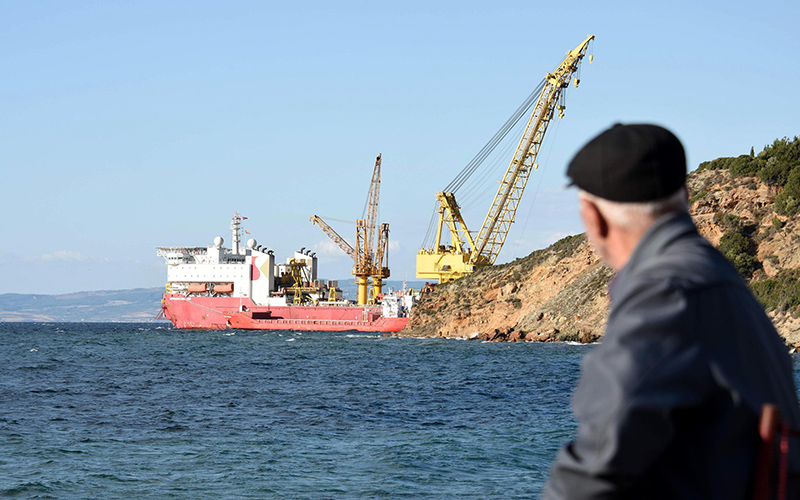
(553, 294)
(559, 293)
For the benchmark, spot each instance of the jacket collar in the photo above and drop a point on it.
(662, 233)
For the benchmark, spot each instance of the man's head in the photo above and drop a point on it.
(629, 176)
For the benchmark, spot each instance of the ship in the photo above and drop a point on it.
(244, 287)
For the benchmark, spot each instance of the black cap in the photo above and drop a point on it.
(630, 163)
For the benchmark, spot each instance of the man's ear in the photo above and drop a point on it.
(593, 218)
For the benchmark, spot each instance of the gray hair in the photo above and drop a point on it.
(638, 214)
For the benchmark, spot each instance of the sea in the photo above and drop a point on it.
(124, 410)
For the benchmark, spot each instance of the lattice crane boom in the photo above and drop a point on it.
(504, 207)
(468, 250)
(381, 264)
(333, 235)
(373, 203)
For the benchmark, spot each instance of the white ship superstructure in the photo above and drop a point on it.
(249, 272)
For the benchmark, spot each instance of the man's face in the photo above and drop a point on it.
(592, 221)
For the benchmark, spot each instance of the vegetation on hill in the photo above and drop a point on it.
(737, 243)
(776, 165)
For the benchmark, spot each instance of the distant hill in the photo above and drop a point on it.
(135, 305)
(139, 304)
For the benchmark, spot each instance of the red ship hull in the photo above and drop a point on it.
(212, 313)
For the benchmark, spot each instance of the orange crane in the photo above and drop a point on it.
(368, 264)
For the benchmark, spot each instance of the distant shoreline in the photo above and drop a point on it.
(135, 305)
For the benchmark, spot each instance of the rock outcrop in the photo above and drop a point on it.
(553, 294)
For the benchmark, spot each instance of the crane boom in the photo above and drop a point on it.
(501, 215)
(373, 199)
(381, 265)
(467, 253)
(333, 235)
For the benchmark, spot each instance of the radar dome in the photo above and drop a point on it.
(218, 241)
(251, 243)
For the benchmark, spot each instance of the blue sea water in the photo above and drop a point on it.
(92, 410)
(138, 410)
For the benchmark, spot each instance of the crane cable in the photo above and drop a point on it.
(481, 188)
(429, 233)
(536, 193)
(487, 149)
(476, 162)
(344, 221)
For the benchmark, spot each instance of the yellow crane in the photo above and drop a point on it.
(380, 263)
(469, 251)
(367, 263)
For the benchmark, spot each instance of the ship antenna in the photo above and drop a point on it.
(236, 222)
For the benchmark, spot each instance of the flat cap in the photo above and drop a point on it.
(630, 163)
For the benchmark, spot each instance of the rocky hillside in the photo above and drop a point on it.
(745, 206)
(553, 294)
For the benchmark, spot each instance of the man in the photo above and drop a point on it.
(668, 404)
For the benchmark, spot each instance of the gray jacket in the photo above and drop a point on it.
(668, 403)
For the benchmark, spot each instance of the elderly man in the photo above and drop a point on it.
(668, 404)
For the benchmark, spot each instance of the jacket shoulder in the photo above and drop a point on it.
(690, 263)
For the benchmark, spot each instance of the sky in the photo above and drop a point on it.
(130, 125)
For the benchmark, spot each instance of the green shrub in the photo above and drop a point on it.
(783, 150)
(766, 293)
(729, 222)
(740, 250)
(773, 164)
(745, 165)
(697, 196)
(774, 173)
(781, 292)
(781, 158)
(788, 201)
(566, 246)
(718, 164)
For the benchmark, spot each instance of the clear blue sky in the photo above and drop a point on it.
(130, 125)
